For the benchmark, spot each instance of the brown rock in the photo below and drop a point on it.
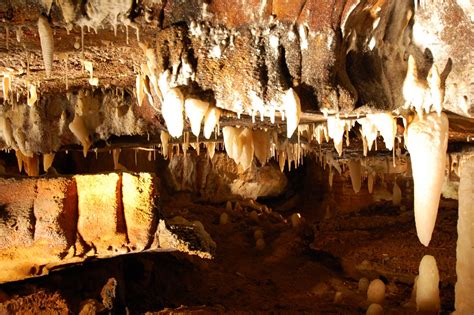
(55, 209)
(138, 195)
(239, 13)
(108, 293)
(320, 15)
(287, 10)
(101, 222)
(49, 209)
(219, 179)
(17, 221)
(239, 63)
(91, 307)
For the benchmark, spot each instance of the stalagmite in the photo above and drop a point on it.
(292, 105)
(427, 144)
(262, 144)
(376, 292)
(47, 43)
(258, 234)
(195, 111)
(172, 111)
(48, 161)
(427, 286)
(211, 119)
(78, 128)
(464, 303)
(356, 174)
(224, 218)
(370, 182)
(260, 244)
(396, 195)
(374, 309)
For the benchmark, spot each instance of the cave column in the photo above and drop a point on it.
(464, 303)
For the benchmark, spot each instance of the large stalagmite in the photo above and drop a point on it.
(427, 143)
(464, 301)
(427, 286)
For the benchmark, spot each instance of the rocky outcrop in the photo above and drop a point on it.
(219, 179)
(50, 222)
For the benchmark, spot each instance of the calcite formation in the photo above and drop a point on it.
(50, 222)
(268, 82)
(464, 251)
(427, 286)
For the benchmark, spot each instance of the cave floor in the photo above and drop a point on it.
(313, 268)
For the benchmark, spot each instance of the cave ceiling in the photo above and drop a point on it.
(81, 72)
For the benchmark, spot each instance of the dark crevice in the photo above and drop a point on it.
(161, 15)
(262, 68)
(285, 77)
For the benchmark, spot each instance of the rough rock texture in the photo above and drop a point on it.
(17, 224)
(443, 29)
(100, 206)
(218, 179)
(140, 214)
(341, 198)
(53, 221)
(55, 209)
(339, 56)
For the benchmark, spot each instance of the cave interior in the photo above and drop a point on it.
(206, 156)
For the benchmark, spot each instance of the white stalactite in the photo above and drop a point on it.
(172, 111)
(356, 174)
(292, 105)
(195, 111)
(48, 161)
(262, 144)
(211, 120)
(164, 137)
(79, 129)
(427, 143)
(47, 43)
